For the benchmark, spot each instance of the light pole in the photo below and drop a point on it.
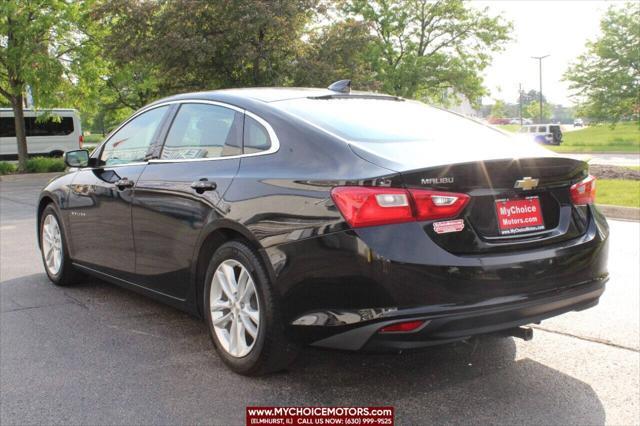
(540, 58)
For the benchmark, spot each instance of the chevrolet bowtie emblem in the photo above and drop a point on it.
(526, 183)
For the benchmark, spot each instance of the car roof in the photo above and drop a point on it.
(243, 97)
(263, 94)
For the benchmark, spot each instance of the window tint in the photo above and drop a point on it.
(7, 127)
(131, 143)
(381, 120)
(256, 137)
(203, 131)
(53, 126)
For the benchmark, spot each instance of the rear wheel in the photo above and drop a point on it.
(242, 313)
(53, 246)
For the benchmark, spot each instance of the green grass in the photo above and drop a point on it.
(625, 137)
(93, 138)
(7, 168)
(45, 165)
(636, 168)
(509, 127)
(618, 192)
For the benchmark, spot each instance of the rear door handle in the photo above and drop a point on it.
(124, 183)
(203, 185)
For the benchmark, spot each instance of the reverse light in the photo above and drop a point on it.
(402, 327)
(431, 205)
(80, 141)
(371, 206)
(584, 192)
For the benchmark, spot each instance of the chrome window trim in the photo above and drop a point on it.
(275, 142)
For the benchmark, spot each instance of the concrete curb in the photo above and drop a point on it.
(26, 177)
(620, 212)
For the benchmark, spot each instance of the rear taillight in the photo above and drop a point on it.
(80, 141)
(584, 192)
(431, 205)
(369, 206)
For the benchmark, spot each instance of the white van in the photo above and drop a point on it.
(61, 132)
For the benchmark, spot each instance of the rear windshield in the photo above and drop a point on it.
(372, 120)
(55, 126)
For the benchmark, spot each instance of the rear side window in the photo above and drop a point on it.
(542, 129)
(131, 143)
(203, 131)
(256, 137)
(53, 126)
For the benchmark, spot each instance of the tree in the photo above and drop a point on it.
(606, 78)
(36, 40)
(429, 48)
(532, 96)
(346, 49)
(146, 50)
(498, 109)
(230, 44)
(532, 111)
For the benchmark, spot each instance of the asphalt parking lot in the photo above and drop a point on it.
(98, 354)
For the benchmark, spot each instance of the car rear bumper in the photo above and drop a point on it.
(443, 325)
(339, 289)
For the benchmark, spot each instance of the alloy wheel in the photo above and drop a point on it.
(235, 311)
(52, 244)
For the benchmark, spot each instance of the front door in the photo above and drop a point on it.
(101, 196)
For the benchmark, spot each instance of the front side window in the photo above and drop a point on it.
(131, 143)
(256, 137)
(203, 131)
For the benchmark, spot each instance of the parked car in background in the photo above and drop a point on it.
(499, 121)
(354, 221)
(578, 122)
(548, 134)
(60, 131)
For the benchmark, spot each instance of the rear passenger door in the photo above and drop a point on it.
(181, 191)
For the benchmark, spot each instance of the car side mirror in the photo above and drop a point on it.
(77, 158)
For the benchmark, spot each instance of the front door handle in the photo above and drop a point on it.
(203, 185)
(124, 183)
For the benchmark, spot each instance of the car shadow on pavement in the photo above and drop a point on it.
(158, 353)
(479, 381)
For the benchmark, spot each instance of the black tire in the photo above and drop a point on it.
(67, 274)
(272, 351)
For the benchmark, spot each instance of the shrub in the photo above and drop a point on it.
(7, 168)
(45, 164)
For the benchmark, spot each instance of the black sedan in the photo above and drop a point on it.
(327, 217)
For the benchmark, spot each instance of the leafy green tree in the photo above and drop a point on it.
(606, 77)
(36, 42)
(532, 111)
(498, 109)
(231, 44)
(346, 49)
(428, 48)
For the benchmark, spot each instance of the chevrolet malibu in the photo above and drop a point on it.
(338, 219)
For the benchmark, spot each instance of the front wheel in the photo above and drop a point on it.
(242, 314)
(53, 246)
